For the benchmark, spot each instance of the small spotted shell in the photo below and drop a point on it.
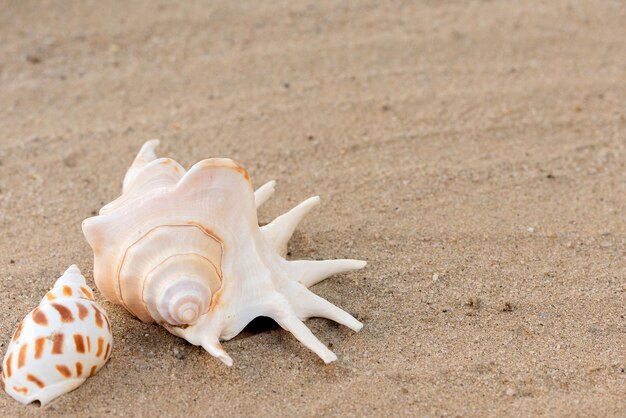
(59, 344)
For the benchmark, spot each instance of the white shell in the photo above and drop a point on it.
(59, 344)
(184, 249)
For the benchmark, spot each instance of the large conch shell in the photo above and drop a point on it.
(184, 249)
(59, 344)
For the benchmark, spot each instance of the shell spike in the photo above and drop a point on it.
(145, 155)
(279, 231)
(310, 272)
(310, 305)
(213, 346)
(263, 193)
(291, 323)
(204, 334)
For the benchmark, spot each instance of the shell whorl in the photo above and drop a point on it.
(170, 274)
(71, 285)
(179, 290)
(183, 301)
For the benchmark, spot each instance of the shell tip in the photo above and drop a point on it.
(226, 360)
(73, 269)
(147, 152)
(71, 275)
(358, 326)
(329, 358)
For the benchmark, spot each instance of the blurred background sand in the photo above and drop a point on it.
(473, 152)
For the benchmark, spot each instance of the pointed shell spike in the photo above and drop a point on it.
(310, 305)
(279, 231)
(311, 272)
(263, 193)
(146, 154)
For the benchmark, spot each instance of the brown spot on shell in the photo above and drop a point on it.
(64, 370)
(100, 346)
(22, 390)
(21, 358)
(79, 343)
(67, 291)
(79, 368)
(35, 380)
(86, 292)
(57, 344)
(227, 163)
(98, 317)
(244, 172)
(18, 331)
(8, 364)
(66, 314)
(50, 296)
(106, 352)
(82, 311)
(93, 371)
(39, 317)
(88, 344)
(40, 343)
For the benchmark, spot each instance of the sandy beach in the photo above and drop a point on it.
(474, 153)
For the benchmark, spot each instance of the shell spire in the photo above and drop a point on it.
(184, 249)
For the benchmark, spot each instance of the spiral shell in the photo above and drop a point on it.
(59, 344)
(184, 249)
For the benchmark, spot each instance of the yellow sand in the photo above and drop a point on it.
(473, 152)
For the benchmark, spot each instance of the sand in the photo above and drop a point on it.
(473, 153)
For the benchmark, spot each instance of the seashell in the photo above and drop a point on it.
(184, 250)
(59, 344)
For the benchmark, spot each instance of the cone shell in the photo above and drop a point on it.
(59, 344)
